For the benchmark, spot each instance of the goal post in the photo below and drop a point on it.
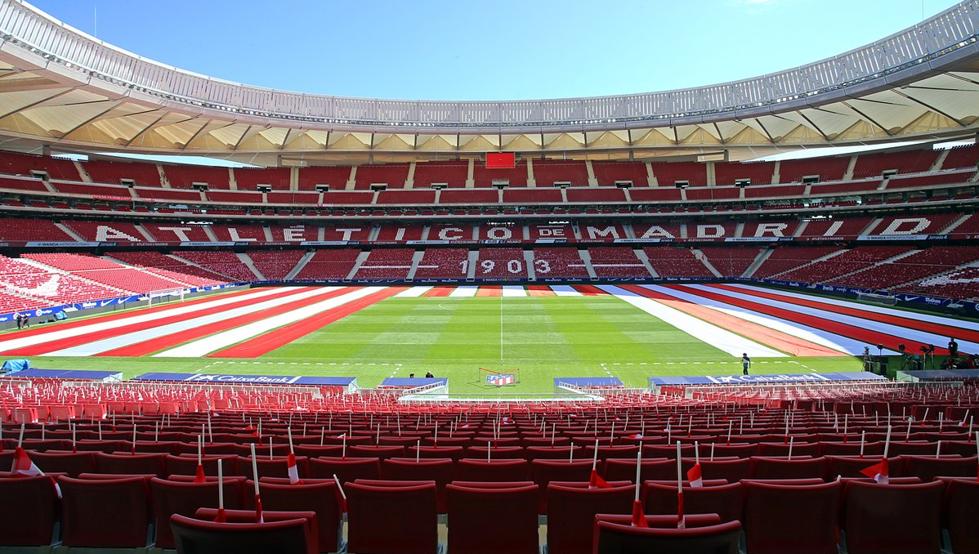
(498, 377)
(165, 295)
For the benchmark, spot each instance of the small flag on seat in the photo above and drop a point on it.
(23, 465)
(292, 469)
(596, 480)
(695, 476)
(878, 472)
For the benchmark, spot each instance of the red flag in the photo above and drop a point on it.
(878, 472)
(23, 465)
(292, 469)
(639, 514)
(596, 480)
(199, 474)
(695, 477)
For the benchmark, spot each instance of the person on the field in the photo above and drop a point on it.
(20, 321)
(745, 363)
(953, 348)
(428, 375)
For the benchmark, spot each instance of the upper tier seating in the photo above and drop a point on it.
(548, 172)
(484, 178)
(183, 176)
(913, 161)
(730, 262)
(24, 164)
(334, 177)
(392, 175)
(250, 178)
(114, 172)
(607, 173)
(452, 173)
(760, 173)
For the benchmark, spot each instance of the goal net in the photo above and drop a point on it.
(163, 296)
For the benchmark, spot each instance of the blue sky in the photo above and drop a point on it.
(500, 50)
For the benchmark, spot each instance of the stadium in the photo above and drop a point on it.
(735, 318)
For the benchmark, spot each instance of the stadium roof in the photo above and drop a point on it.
(64, 89)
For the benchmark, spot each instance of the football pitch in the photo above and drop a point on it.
(539, 337)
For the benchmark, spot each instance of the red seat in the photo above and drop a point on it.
(771, 449)
(441, 471)
(893, 519)
(277, 534)
(727, 501)
(70, 463)
(391, 520)
(624, 469)
(792, 518)
(274, 467)
(381, 452)
(545, 471)
(103, 445)
(850, 466)
(552, 453)
(28, 511)
(735, 450)
(961, 517)
(780, 468)
(346, 469)
(617, 538)
(184, 498)
(571, 512)
(732, 470)
(927, 468)
(315, 451)
(135, 464)
(321, 497)
(104, 513)
(496, 453)
(186, 464)
(451, 452)
(495, 470)
(511, 512)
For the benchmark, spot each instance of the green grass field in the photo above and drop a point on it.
(544, 337)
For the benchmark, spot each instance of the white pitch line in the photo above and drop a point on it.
(126, 339)
(719, 338)
(413, 292)
(96, 325)
(227, 338)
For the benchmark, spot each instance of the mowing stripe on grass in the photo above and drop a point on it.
(564, 290)
(759, 333)
(828, 323)
(244, 332)
(112, 321)
(713, 335)
(111, 341)
(921, 337)
(539, 290)
(282, 336)
(489, 290)
(464, 291)
(934, 318)
(413, 292)
(840, 344)
(907, 320)
(156, 344)
(438, 292)
(123, 326)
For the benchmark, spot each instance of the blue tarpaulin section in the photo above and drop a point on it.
(13, 366)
